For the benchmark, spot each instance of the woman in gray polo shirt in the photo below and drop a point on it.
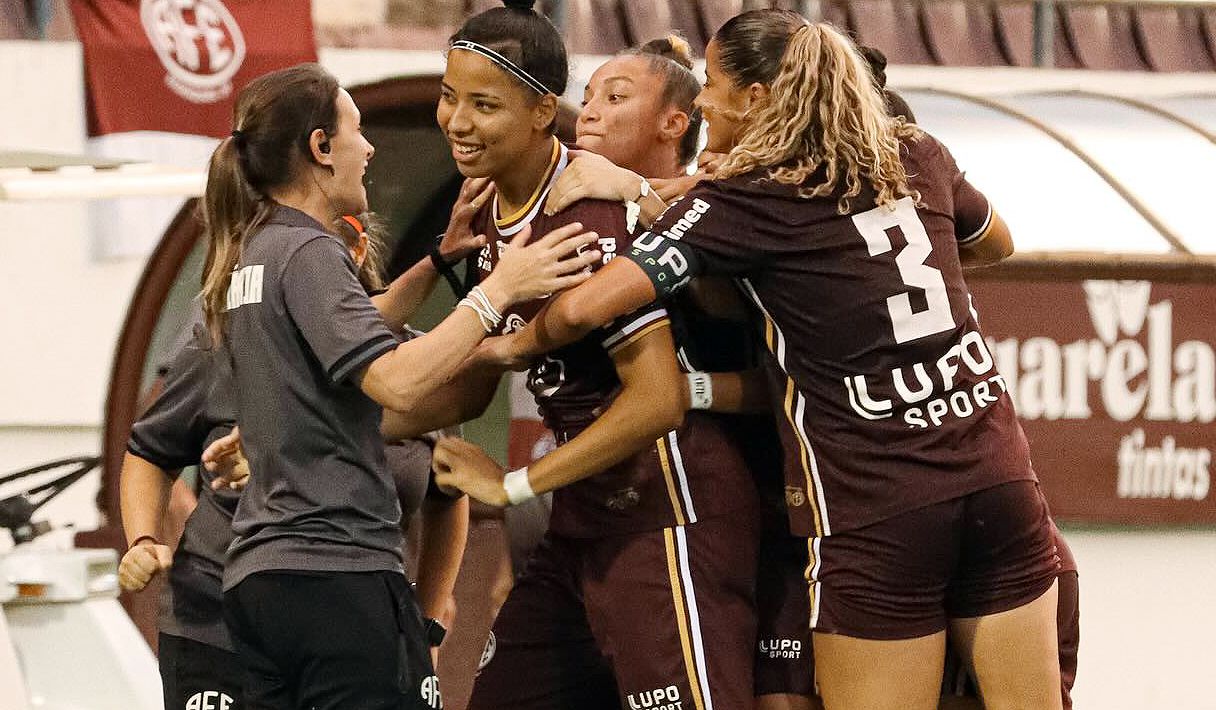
(314, 583)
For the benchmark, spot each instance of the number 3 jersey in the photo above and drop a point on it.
(888, 398)
(692, 473)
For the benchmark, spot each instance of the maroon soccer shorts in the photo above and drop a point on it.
(783, 649)
(903, 577)
(663, 620)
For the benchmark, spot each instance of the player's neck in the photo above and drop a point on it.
(659, 163)
(518, 184)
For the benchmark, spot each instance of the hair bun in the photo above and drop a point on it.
(674, 47)
(878, 63)
(525, 5)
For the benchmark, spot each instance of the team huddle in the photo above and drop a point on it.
(787, 473)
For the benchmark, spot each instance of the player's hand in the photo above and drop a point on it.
(501, 351)
(458, 239)
(671, 189)
(552, 263)
(463, 465)
(589, 175)
(708, 162)
(225, 457)
(142, 563)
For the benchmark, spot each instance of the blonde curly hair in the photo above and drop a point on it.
(822, 109)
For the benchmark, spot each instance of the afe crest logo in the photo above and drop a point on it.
(198, 42)
(430, 692)
(209, 700)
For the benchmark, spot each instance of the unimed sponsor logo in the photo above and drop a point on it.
(1131, 370)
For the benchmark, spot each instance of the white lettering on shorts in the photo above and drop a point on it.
(430, 692)
(209, 700)
(658, 699)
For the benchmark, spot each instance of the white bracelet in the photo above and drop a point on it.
(700, 390)
(517, 487)
(480, 303)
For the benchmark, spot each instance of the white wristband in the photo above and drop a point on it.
(517, 487)
(700, 390)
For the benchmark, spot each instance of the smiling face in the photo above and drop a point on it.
(721, 102)
(349, 153)
(484, 113)
(622, 111)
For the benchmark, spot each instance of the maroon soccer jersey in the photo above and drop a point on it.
(888, 397)
(692, 473)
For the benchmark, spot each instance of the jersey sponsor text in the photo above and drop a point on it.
(658, 699)
(245, 287)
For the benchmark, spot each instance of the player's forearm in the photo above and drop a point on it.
(744, 392)
(466, 396)
(143, 497)
(632, 423)
(406, 293)
(408, 376)
(620, 287)
(445, 529)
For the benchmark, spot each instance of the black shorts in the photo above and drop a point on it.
(659, 620)
(904, 577)
(198, 675)
(326, 641)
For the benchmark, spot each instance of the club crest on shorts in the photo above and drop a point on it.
(198, 42)
(430, 692)
(794, 496)
(622, 499)
(209, 700)
(487, 653)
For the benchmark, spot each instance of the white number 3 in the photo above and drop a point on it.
(873, 226)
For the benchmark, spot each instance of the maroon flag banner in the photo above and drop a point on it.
(175, 65)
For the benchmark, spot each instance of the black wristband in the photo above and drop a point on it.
(435, 632)
(445, 269)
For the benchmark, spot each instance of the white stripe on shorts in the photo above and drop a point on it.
(694, 618)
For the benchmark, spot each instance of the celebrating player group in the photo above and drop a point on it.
(787, 473)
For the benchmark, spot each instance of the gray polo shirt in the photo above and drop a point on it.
(298, 327)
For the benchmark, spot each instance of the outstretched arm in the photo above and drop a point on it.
(619, 288)
(407, 292)
(649, 405)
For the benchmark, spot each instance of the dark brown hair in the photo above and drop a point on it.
(273, 118)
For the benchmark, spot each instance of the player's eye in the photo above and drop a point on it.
(614, 98)
(486, 106)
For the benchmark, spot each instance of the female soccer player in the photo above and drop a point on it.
(651, 532)
(314, 571)
(913, 476)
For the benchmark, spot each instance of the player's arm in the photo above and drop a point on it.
(653, 266)
(466, 396)
(143, 498)
(408, 375)
(992, 244)
(592, 176)
(445, 530)
(743, 392)
(407, 292)
(649, 405)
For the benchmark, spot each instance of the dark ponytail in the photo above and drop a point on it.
(273, 119)
(671, 58)
(527, 39)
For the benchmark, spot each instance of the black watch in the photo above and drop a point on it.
(435, 632)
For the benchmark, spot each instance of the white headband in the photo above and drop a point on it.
(503, 62)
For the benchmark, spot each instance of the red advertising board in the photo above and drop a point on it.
(1115, 384)
(174, 65)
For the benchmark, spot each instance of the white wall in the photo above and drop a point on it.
(1147, 622)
